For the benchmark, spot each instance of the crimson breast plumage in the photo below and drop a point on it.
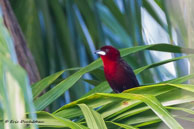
(118, 73)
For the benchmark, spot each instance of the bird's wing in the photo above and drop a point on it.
(130, 74)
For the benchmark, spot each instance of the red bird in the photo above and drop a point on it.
(118, 73)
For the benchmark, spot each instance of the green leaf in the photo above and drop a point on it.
(15, 92)
(119, 16)
(50, 120)
(168, 96)
(70, 110)
(93, 118)
(104, 86)
(174, 97)
(119, 110)
(181, 109)
(156, 47)
(59, 89)
(123, 125)
(92, 82)
(155, 14)
(38, 87)
(184, 86)
(170, 101)
(90, 15)
(30, 26)
(148, 87)
(106, 16)
(179, 80)
(148, 123)
(137, 71)
(154, 104)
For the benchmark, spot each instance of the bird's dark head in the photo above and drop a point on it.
(108, 53)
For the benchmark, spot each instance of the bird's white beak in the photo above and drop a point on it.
(99, 52)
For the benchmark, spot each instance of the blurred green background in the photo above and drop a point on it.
(64, 34)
